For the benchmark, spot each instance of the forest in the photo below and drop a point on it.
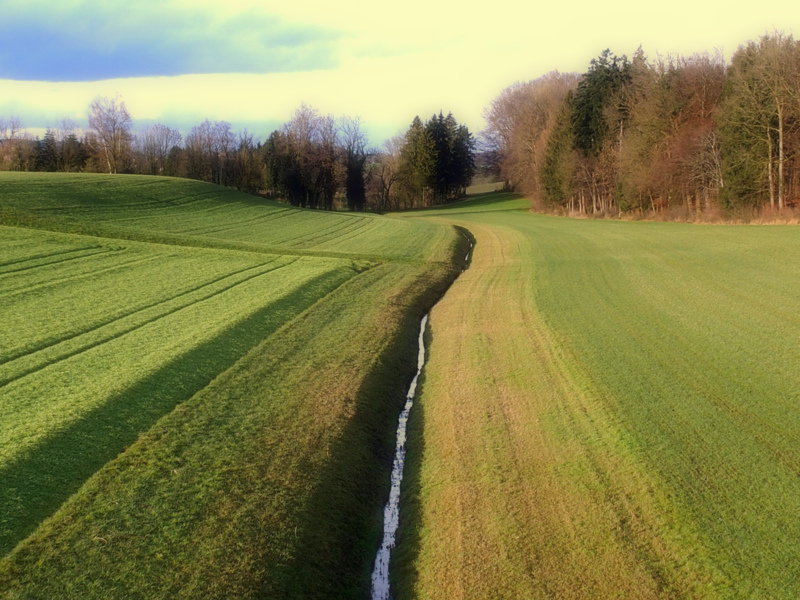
(686, 135)
(313, 161)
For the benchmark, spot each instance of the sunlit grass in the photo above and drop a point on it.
(194, 213)
(609, 410)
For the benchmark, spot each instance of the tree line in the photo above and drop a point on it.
(313, 160)
(632, 135)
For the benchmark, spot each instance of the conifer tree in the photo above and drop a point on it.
(47, 154)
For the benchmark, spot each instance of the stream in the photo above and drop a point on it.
(391, 512)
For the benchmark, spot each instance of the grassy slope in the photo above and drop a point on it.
(193, 213)
(609, 410)
(247, 485)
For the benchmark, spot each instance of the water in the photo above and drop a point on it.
(391, 513)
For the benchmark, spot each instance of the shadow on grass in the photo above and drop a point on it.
(403, 572)
(38, 482)
(403, 564)
(343, 521)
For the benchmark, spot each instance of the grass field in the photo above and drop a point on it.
(193, 213)
(198, 388)
(199, 392)
(610, 410)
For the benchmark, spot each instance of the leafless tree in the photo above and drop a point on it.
(155, 143)
(354, 143)
(110, 125)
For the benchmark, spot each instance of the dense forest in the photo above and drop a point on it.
(313, 161)
(684, 134)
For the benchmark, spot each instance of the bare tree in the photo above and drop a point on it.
(519, 122)
(110, 123)
(16, 146)
(383, 170)
(354, 144)
(155, 144)
(209, 148)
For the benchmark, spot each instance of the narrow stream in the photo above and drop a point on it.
(391, 512)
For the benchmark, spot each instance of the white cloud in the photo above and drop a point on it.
(415, 57)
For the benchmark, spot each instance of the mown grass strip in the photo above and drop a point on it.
(19, 287)
(33, 358)
(127, 208)
(59, 258)
(609, 411)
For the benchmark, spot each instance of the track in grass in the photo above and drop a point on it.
(609, 410)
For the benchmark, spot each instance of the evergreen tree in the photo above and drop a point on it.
(463, 160)
(417, 162)
(441, 139)
(596, 93)
(47, 154)
(555, 173)
(73, 154)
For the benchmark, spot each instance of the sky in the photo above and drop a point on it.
(252, 63)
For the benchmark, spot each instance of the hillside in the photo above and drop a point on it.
(198, 387)
(194, 213)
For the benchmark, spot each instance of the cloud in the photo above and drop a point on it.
(83, 41)
(385, 64)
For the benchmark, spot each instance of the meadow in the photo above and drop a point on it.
(199, 392)
(610, 410)
(193, 213)
(198, 388)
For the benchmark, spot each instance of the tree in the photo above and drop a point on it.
(556, 170)
(73, 154)
(463, 161)
(110, 124)
(209, 149)
(599, 111)
(17, 147)
(47, 154)
(247, 172)
(437, 161)
(519, 121)
(384, 172)
(155, 143)
(760, 117)
(596, 102)
(416, 163)
(355, 157)
(301, 160)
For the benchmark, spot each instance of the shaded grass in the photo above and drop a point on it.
(198, 421)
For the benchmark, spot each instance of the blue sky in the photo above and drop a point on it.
(252, 62)
(86, 41)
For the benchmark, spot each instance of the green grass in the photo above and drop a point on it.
(193, 213)
(610, 410)
(207, 415)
